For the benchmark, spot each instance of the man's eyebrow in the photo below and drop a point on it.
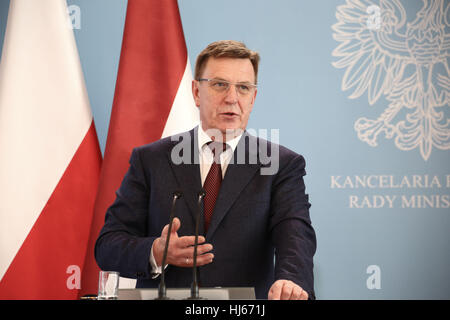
(238, 82)
(219, 78)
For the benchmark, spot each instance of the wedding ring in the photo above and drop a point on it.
(187, 260)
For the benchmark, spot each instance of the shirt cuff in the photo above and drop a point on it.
(155, 269)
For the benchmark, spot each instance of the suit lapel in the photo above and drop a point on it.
(187, 173)
(237, 176)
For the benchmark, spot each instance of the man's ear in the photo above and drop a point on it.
(195, 92)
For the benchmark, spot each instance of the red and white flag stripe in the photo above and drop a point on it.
(50, 158)
(153, 99)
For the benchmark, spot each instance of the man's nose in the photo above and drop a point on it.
(231, 95)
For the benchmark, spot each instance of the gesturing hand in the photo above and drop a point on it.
(181, 249)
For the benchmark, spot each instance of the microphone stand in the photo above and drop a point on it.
(162, 294)
(194, 285)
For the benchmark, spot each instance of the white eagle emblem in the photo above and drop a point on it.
(404, 59)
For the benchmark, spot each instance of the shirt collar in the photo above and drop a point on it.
(203, 138)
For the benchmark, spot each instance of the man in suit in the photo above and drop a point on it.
(255, 206)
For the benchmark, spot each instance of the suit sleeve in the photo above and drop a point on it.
(292, 234)
(123, 244)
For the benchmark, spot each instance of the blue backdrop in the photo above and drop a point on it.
(362, 91)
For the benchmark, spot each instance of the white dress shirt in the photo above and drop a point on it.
(206, 159)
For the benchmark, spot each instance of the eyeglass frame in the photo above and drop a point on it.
(235, 84)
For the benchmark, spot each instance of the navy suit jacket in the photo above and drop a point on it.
(256, 217)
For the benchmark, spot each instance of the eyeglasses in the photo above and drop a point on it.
(222, 86)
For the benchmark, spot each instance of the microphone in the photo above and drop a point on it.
(194, 285)
(162, 294)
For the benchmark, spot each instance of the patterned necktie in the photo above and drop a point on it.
(213, 181)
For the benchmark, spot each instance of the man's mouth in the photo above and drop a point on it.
(229, 114)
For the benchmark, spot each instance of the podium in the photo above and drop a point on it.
(238, 293)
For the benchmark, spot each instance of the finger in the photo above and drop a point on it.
(275, 291)
(165, 231)
(304, 295)
(204, 259)
(202, 249)
(184, 262)
(189, 251)
(188, 241)
(188, 262)
(176, 224)
(296, 293)
(286, 292)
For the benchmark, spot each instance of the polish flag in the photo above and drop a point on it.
(153, 99)
(49, 155)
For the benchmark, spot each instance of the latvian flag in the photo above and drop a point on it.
(153, 99)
